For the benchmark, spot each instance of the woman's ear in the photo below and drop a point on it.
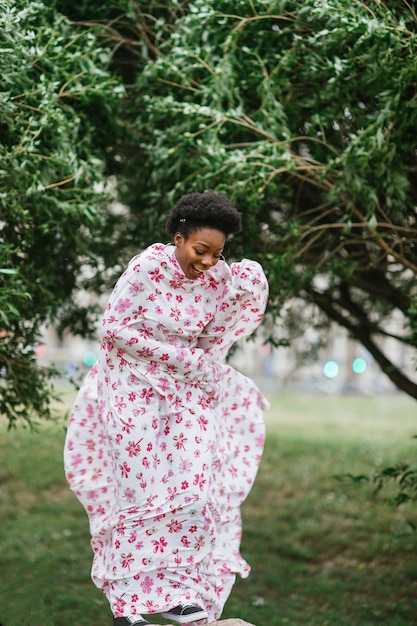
(178, 238)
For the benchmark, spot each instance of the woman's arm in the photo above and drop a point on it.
(240, 310)
(131, 326)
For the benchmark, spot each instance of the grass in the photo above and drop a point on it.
(323, 550)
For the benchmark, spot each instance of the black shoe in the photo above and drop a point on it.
(185, 613)
(130, 621)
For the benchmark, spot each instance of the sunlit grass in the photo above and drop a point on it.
(323, 550)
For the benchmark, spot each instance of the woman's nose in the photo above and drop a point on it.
(209, 261)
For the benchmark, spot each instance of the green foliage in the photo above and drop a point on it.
(401, 477)
(404, 477)
(56, 117)
(304, 114)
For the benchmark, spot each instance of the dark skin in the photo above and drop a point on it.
(199, 251)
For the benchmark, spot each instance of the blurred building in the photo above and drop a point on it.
(343, 366)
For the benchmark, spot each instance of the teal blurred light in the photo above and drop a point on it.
(359, 365)
(330, 369)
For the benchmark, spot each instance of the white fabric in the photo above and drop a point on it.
(164, 439)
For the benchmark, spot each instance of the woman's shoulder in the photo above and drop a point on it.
(244, 270)
(248, 270)
(150, 260)
(249, 277)
(156, 252)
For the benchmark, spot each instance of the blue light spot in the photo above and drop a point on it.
(359, 366)
(330, 369)
(89, 359)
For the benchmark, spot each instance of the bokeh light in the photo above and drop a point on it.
(330, 369)
(89, 359)
(359, 365)
(40, 350)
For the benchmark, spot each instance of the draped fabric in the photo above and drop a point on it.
(165, 439)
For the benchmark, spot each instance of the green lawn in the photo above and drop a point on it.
(323, 550)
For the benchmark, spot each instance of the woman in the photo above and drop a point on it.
(165, 439)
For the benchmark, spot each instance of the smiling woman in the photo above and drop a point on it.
(153, 450)
(200, 251)
(200, 225)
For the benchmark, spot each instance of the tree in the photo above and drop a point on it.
(304, 113)
(58, 104)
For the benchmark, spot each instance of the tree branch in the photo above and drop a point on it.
(363, 333)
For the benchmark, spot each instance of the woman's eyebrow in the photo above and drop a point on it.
(200, 243)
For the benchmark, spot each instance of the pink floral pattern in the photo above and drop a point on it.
(164, 439)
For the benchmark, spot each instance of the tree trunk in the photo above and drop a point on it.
(363, 333)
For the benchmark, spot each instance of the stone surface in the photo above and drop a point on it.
(235, 621)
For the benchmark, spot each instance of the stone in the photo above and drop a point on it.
(234, 621)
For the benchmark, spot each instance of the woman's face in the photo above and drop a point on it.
(200, 251)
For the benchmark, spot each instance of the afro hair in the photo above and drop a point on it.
(203, 210)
